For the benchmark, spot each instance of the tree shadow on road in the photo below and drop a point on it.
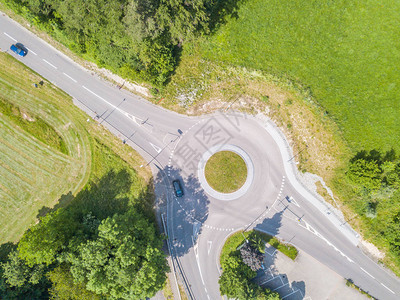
(273, 275)
(187, 213)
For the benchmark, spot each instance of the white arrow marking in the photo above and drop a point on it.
(158, 149)
(209, 246)
(291, 200)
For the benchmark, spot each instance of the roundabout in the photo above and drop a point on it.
(246, 177)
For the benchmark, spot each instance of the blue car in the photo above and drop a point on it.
(178, 188)
(18, 49)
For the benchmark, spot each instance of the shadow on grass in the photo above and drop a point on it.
(104, 197)
(220, 10)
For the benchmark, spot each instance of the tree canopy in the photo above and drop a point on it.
(136, 38)
(124, 261)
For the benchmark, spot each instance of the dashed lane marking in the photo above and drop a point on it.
(93, 93)
(10, 37)
(387, 288)
(367, 273)
(30, 50)
(50, 64)
(70, 77)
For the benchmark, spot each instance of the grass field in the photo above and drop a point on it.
(226, 171)
(344, 54)
(48, 150)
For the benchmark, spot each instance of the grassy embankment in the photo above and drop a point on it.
(225, 171)
(326, 73)
(49, 151)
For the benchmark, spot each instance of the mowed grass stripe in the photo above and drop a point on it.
(33, 174)
(29, 152)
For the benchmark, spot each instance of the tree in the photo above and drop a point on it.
(235, 281)
(17, 273)
(64, 288)
(42, 243)
(366, 174)
(124, 261)
(251, 257)
(19, 281)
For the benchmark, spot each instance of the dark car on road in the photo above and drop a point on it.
(19, 49)
(177, 188)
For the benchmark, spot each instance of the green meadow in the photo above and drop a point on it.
(49, 151)
(344, 54)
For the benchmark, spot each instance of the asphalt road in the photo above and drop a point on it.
(198, 223)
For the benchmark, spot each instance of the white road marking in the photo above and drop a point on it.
(209, 243)
(294, 291)
(387, 288)
(367, 273)
(98, 96)
(49, 63)
(10, 37)
(280, 286)
(33, 52)
(158, 149)
(69, 77)
(291, 200)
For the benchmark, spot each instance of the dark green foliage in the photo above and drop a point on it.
(34, 125)
(124, 261)
(64, 287)
(102, 243)
(236, 279)
(370, 171)
(134, 38)
(43, 242)
(376, 178)
(18, 280)
(365, 174)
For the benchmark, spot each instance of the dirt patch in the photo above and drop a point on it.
(27, 117)
(372, 250)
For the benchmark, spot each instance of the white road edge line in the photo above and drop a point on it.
(367, 273)
(10, 37)
(49, 63)
(388, 288)
(33, 52)
(70, 77)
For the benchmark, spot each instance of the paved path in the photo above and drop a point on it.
(305, 278)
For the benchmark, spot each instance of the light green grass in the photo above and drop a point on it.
(232, 243)
(35, 134)
(47, 162)
(225, 171)
(289, 250)
(237, 239)
(345, 54)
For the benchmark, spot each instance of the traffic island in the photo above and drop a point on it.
(226, 171)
